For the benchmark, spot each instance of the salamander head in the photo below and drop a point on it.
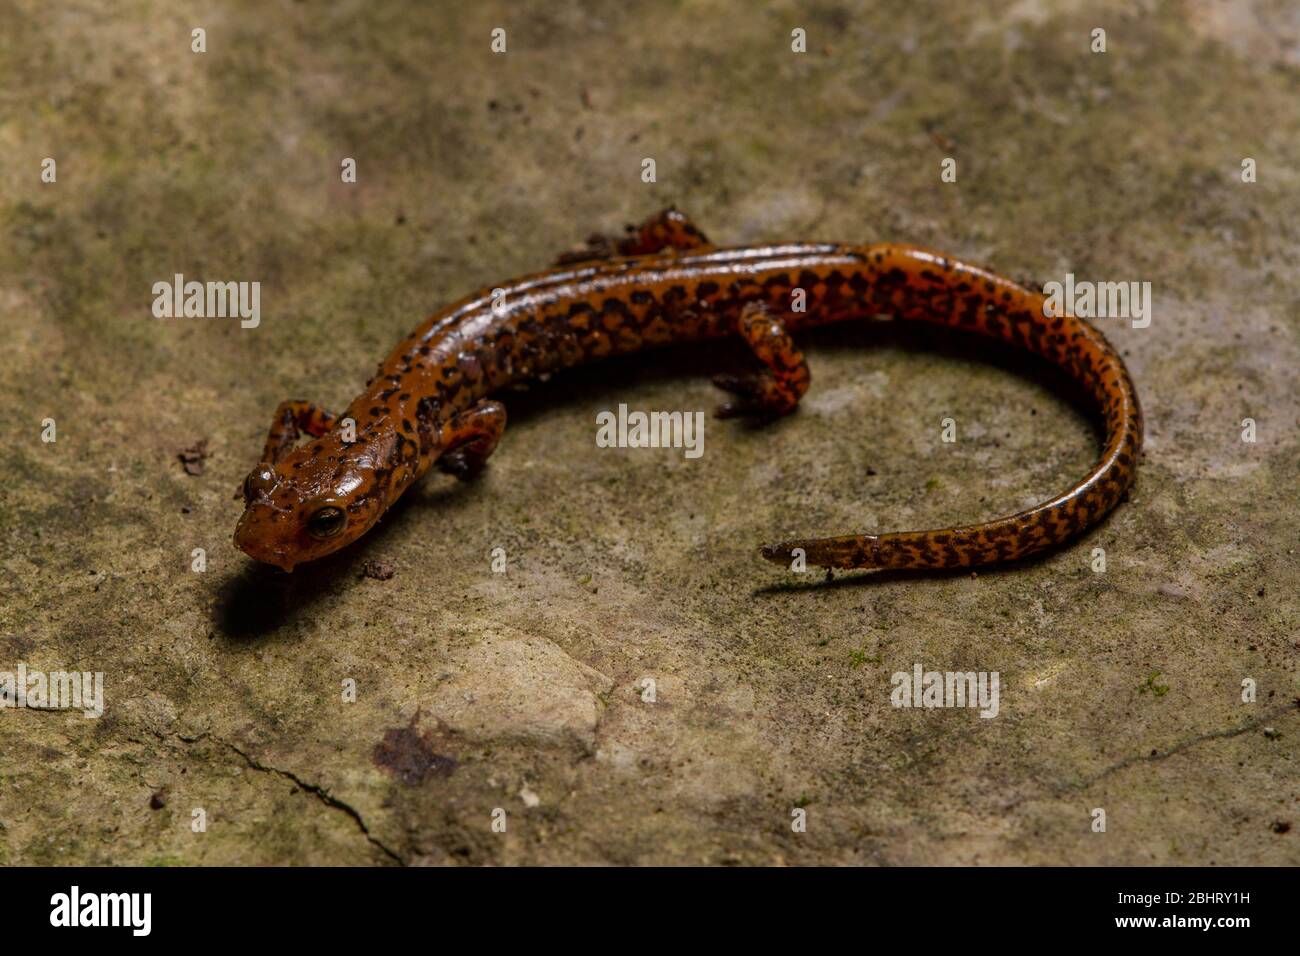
(319, 498)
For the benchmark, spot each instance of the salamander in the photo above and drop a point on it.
(430, 403)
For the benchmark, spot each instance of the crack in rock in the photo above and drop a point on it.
(1157, 755)
(324, 796)
(1188, 743)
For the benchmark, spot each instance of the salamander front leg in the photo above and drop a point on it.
(667, 230)
(291, 420)
(777, 389)
(470, 437)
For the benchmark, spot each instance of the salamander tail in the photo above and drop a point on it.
(845, 551)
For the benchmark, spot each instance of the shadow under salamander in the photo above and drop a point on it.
(261, 598)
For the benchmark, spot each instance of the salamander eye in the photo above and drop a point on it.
(326, 522)
(260, 481)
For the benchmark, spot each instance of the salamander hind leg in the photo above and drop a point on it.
(293, 419)
(470, 438)
(777, 389)
(666, 230)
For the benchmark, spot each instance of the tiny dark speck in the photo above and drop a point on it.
(379, 570)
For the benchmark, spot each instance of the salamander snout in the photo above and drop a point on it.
(256, 539)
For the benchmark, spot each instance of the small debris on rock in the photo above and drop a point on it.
(192, 458)
(1281, 826)
(157, 801)
(379, 570)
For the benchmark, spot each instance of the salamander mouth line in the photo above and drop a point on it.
(430, 405)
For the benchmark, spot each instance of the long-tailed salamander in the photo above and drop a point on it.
(664, 283)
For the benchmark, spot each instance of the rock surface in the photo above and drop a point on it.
(637, 686)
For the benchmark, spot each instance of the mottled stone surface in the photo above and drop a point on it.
(524, 691)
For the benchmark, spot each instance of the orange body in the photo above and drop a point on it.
(429, 402)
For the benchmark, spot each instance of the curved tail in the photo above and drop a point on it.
(913, 283)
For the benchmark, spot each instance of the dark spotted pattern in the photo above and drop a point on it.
(428, 401)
